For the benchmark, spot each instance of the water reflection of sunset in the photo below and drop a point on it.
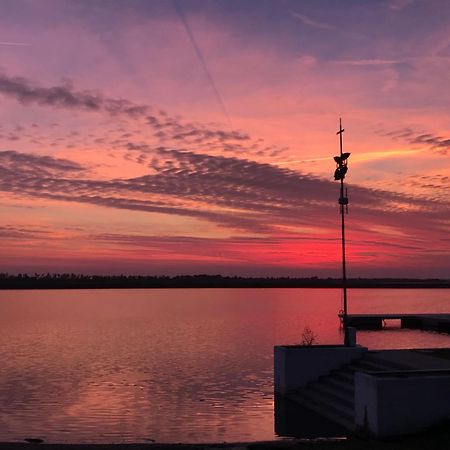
(169, 364)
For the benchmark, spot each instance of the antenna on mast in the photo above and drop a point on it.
(339, 174)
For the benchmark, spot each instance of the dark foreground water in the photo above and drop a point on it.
(169, 365)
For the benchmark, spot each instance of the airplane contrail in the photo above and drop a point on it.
(302, 160)
(201, 58)
(360, 157)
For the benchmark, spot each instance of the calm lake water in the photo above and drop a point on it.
(169, 365)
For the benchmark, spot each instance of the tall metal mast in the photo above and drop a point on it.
(339, 174)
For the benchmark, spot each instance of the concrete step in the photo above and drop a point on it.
(344, 374)
(334, 393)
(332, 396)
(326, 406)
(344, 385)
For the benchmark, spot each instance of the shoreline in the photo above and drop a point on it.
(77, 281)
(285, 443)
(430, 440)
(435, 438)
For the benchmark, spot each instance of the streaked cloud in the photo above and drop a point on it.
(232, 192)
(14, 232)
(65, 96)
(14, 44)
(311, 22)
(367, 62)
(13, 161)
(430, 140)
(399, 5)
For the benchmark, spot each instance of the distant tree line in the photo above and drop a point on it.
(78, 281)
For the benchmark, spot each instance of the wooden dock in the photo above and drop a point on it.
(434, 322)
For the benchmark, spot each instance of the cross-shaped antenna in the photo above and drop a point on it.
(339, 174)
(341, 130)
(341, 160)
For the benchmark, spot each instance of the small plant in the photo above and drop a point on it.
(308, 337)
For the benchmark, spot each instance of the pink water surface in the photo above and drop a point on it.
(169, 365)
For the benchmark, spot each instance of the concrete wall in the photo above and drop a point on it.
(297, 365)
(393, 403)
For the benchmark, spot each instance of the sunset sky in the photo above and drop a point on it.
(197, 136)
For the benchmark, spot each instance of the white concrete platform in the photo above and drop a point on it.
(399, 402)
(358, 388)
